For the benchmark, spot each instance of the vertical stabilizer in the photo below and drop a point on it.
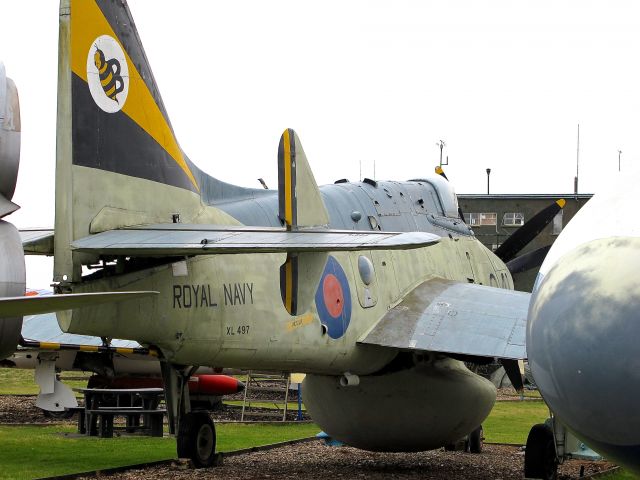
(118, 160)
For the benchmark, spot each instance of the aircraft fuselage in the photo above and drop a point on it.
(227, 310)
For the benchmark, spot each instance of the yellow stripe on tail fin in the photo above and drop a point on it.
(300, 202)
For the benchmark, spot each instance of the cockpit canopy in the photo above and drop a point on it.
(446, 194)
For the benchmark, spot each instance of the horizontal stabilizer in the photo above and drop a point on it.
(456, 318)
(19, 306)
(180, 239)
(37, 241)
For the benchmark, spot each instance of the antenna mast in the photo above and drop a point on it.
(575, 180)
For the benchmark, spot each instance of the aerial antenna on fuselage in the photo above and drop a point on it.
(575, 182)
(442, 144)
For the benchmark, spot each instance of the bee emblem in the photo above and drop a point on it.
(109, 71)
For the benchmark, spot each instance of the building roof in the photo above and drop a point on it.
(525, 196)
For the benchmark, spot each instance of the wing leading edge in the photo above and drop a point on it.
(37, 241)
(180, 239)
(456, 318)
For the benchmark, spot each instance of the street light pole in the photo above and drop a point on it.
(619, 153)
(488, 173)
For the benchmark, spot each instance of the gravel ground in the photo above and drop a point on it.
(311, 460)
(305, 461)
(22, 409)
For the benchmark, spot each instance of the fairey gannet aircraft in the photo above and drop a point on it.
(148, 247)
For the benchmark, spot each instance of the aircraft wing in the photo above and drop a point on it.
(181, 239)
(456, 318)
(33, 305)
(37, 241)
(45, 329)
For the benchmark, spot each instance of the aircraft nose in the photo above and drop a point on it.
(583, 335)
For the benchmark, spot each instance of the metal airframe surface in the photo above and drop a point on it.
(450, 317)
(201, 240)
(37, 241)
(45, 328)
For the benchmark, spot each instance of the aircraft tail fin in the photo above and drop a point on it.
(118, 159)
(300, 202)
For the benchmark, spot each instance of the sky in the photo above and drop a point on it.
(369, 86)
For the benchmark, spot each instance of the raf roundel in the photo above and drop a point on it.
(333, 299)
(107, 74)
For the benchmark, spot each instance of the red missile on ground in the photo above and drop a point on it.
(215, 385)
(205, 384)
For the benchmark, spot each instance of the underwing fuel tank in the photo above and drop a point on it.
(12, 268)
(583, 326)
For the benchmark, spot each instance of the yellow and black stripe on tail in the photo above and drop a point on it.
(300, 202)
(287, 179)
(119, 123)
(289, 283)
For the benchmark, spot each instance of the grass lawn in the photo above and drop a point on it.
(291, 406)
(16, 381)
(510, 422)
(31, 452)
(621, 475)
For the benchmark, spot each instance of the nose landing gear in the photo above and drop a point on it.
(540, 459)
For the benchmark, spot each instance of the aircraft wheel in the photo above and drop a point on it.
(476, 440)
(197, 439)
(540, 459)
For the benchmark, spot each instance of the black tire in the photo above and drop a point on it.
(540, 459)
(476, 440)
(197, 439)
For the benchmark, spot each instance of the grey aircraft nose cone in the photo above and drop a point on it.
(583, 345)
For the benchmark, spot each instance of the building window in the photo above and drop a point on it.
(557, 223)
(513, 219)
(482, 219)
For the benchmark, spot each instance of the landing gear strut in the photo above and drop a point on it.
(472, 443)
(476, 440)
(196, 434)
